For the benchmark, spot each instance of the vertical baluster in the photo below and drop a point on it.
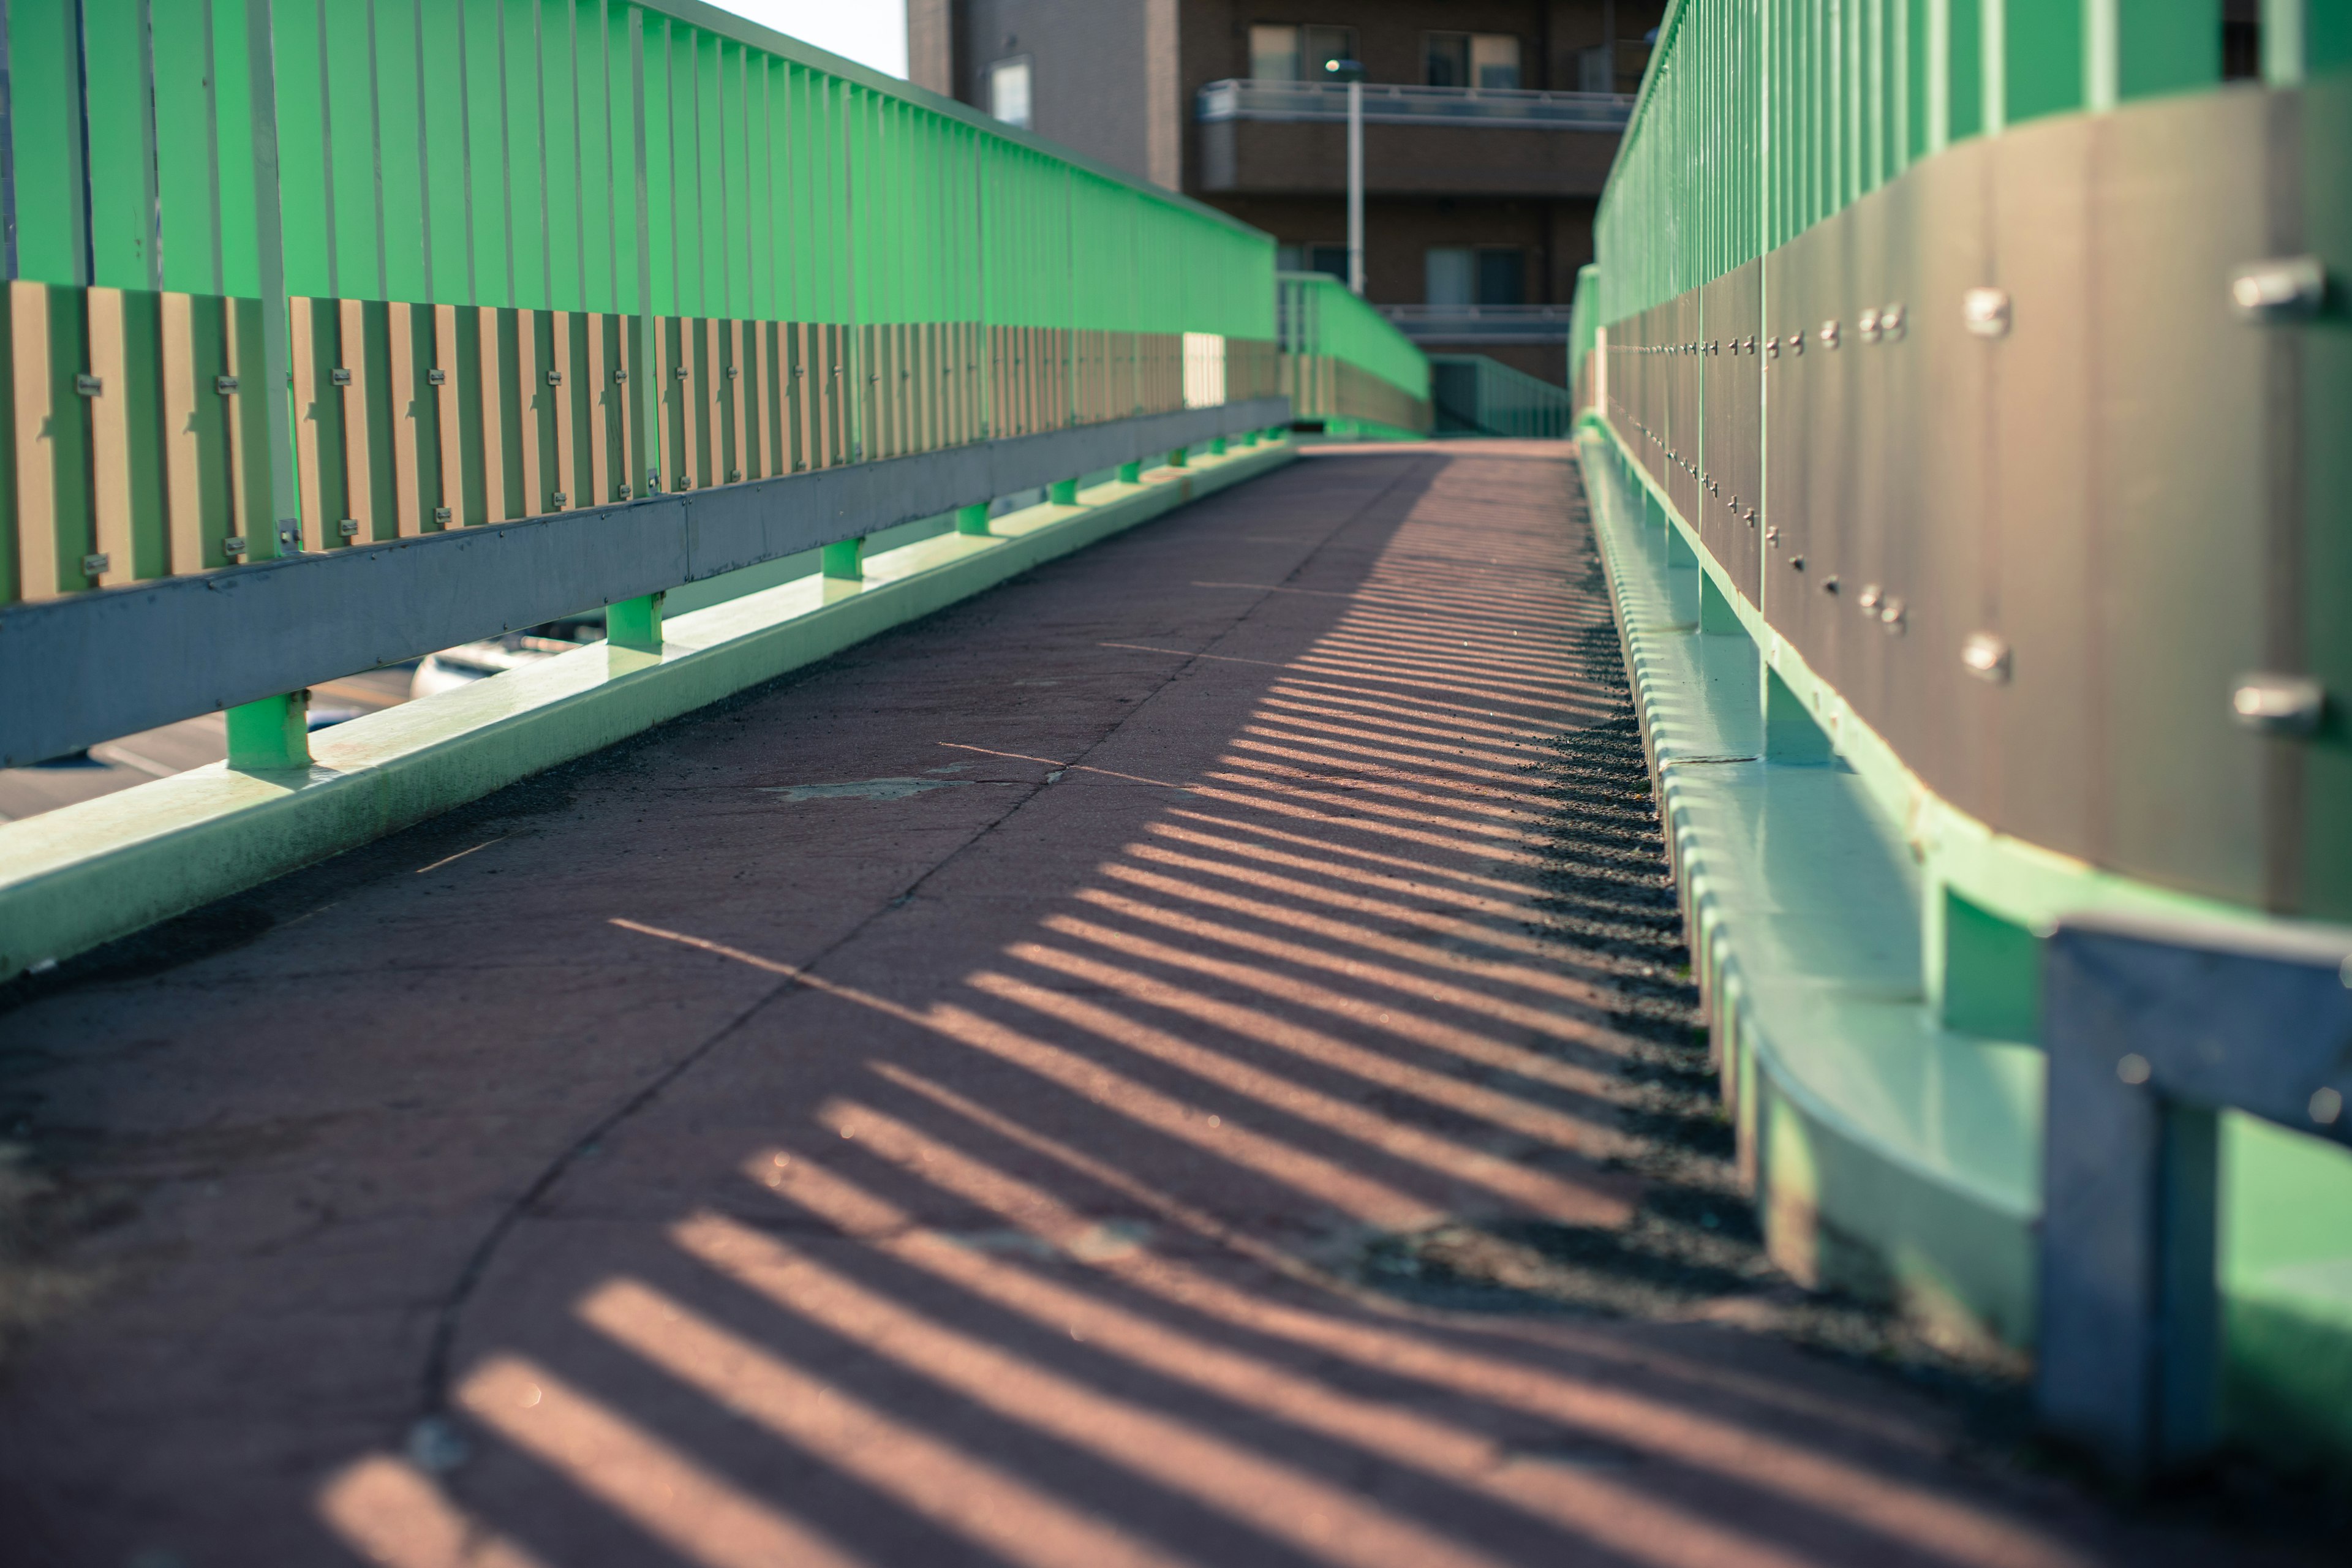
(598, 393)
(109, 440)
(449, 449)
(492, 375)
(627, 365)
(303, 316)
(37, 477)
(560, 391)
(527, 361)
(233, 420)
(694, 463)
(183, 459)
(406, 479)
(359, 481)
(714, 410)
(738, 388)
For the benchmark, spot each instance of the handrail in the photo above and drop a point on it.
(305, 279)
(1406, 104)
(1493, 323)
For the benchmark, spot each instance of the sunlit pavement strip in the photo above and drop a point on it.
(936, 1111)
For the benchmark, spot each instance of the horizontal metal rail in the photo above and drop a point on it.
(1483, 323)
(89, 667)
(1404, 104)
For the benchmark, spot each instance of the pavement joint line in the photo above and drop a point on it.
(83, 874)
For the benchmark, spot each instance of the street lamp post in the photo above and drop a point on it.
(1352, 73)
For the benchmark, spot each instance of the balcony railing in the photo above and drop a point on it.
(1395, 104)
(1481, 324)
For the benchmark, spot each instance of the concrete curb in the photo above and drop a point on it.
(86, 874)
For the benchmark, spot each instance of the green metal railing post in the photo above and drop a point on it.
(973, 519)
(1130, 473)
(271, 734)
(274, 733)
(1063, 492)
(634, 623)
(1216, 445)
(844, 562)
(1179, 457)
(1249, 437)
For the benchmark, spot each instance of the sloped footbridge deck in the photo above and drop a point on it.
(1001, 1096)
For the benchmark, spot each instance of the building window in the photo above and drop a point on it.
(1006, 90)
(1488, 275)
(1297, 53)
(1471, 59)
(1502, 275)
(1273, 54)
(1451, 275)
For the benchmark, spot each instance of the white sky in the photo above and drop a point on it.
(872, 32)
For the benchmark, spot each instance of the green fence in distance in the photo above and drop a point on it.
(1346, 365)
(1474, 394)
(297, 275)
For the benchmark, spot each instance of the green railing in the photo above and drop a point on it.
(1963, 381)
(1346, 365)
(1473, 395)
(291, 275)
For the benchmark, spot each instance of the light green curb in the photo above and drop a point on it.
(86, 874)
(1890, 1155)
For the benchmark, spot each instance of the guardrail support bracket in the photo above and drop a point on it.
(634, 623)
(270, 735)
(844, 562)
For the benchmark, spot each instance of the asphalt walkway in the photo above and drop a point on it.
(1137, 1068)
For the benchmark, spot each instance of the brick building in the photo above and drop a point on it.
(1489, 129)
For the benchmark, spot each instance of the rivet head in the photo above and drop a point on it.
(1986, 312)
(1890, 319)
(1986, 657)
(1868, 598)
(1829, 583)
(1890, 614)
(1829, 335)
(1771, 536)
(1796, 562)
(2133, 1069)
(2279, 704)
(1869, 326)
(2281, 288)
(1771, 348)
(1796, 344)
